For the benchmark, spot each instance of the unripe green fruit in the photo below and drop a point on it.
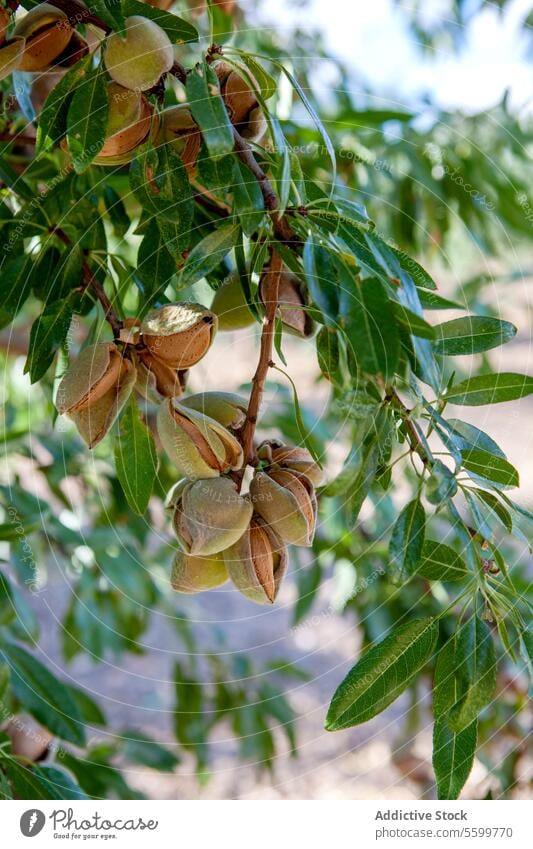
(230, 305)
(139, 59)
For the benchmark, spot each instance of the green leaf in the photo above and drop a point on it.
(321, 277)
(138, 748)
(267, 85)
(28, 783)
(87, 119)
(468, 436)
(59, 782)
(248, 199)
(15, 286)
(207, 254)
(208, 109)
(453, 757)
(159, 180)
(382, 674)
(308, 579)
(407, 539)
(489, 466)
(110, 12)
(178, 30)
(44, 695)
(135, 458)
(413, 323)
(432, 301)
(370, 327)
(490, 389)
(439, 562)
(155, 266)
(328, 353)
(53, 118)
(475, 662)
(496, 507)
(47, 335)
(471, 335)
(441, 484)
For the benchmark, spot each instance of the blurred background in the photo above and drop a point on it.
(429, 105)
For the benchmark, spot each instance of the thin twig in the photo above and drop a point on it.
(282, 228)
(90, 282)
(271, 295)
(416, 441)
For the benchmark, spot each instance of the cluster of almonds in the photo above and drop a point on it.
(222, 534)
(45, 42)
(152, 357)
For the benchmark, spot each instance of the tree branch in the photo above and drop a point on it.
(271, 295)
(90, 282)
(282, 228)
(417, 443)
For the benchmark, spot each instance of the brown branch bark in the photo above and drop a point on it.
(90, 282)
(271, 289)
(282, 228)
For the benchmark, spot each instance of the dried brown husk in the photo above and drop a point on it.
(257, 562)
(179, 334)
(287, 501)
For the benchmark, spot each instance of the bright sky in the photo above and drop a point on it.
(373, 39)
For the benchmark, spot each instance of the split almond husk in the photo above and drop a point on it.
(257, 562)
(287, 501)
(179, 334)
(199, 446)
(209, 515)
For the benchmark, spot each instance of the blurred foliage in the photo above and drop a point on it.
(403, 180)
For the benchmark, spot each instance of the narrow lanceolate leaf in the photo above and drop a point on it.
(382, 674)
(471, 335)
(413, 323)
(489, 466)
(43, 695)
(135, 459)
(209, 253)
(208, 109)
(371, 328)
(453, 757)
(439, 562)
(110, 12)
(48, 333)
(155, 265)
(475, 662)
(490, 389)
(87, 119)
(248, 199)
(453, 751)
(321, 277)
(15, 286)
(178, 30)
(53, 118)
(407, 538)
